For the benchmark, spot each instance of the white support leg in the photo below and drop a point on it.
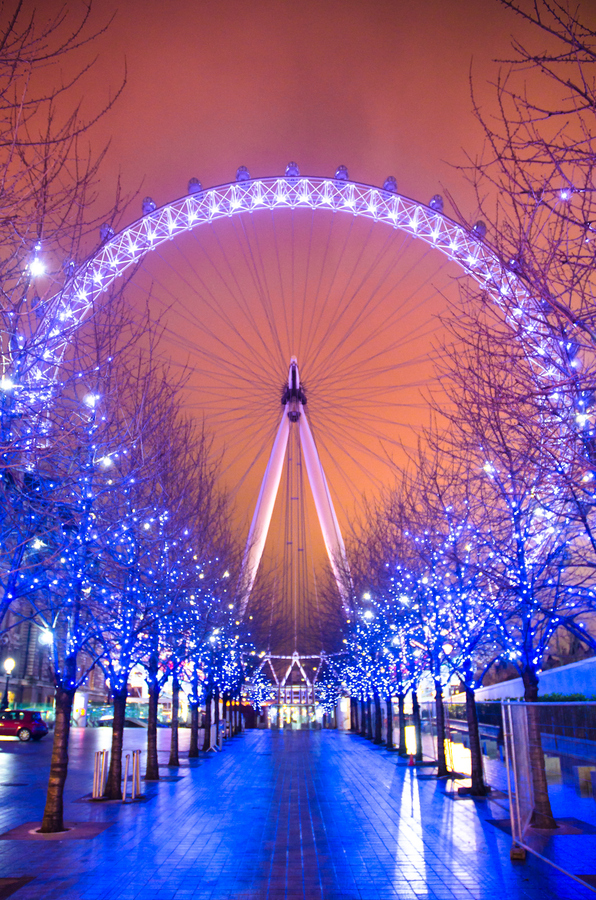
(326, 513)
(263, 512)
(293, 413)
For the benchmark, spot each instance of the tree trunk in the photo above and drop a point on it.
(227, 712)
(353, 714)
(53, 815)
(543, 814)
(152, 769)
(363, 718)
(442, 770)
(389, 742)
(478, 788)
(174, 755)
(207, 737)
(417, 726)
(378, 738)
(114, 782)
(401, 721)
(369, 728)
(193, 750)
(216, 705)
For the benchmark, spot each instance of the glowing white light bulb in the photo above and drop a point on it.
(37, 268)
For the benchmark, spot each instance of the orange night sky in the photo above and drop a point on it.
(381, 87)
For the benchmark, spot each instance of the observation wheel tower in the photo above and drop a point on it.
(332, 285)
(295, 687)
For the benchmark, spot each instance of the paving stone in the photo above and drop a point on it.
(298, 815)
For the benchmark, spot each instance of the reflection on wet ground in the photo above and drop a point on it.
(295, 814)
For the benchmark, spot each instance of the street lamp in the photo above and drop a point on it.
(9, 665)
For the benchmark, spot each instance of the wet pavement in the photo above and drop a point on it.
(292, 815)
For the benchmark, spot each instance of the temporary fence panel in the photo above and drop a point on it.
(518, 753)
(551, 770)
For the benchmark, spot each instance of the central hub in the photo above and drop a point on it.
(293, 395)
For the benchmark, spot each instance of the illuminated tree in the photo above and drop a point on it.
(47, 183)
(149, 562)
(260, 689)
(534, 183)
(47, 194)
(520, 513)
(189, 571)
(381, 558)
(461, 637)
(68, 472)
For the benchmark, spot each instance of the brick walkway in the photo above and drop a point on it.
(296, 815)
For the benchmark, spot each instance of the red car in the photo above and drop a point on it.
(25, 724)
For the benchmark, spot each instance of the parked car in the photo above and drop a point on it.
(26, 724)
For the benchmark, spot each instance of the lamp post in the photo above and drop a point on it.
(9, 665)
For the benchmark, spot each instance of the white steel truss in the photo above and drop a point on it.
(294, 416)
(292, 694)
(65, 310)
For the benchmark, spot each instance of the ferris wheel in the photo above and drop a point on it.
(334, 284)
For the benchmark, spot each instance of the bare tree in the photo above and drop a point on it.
(520, 512)
(74, 473)
(47, 182)
(535, 183)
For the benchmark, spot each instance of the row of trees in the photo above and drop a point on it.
(114, 536)
(485, 549)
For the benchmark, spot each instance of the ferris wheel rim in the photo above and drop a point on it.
(473, 254)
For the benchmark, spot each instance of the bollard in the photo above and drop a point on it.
(135, 787)
(136, 774)
(105, 763)
(95, 775)
(100, 773)
(125, 788)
